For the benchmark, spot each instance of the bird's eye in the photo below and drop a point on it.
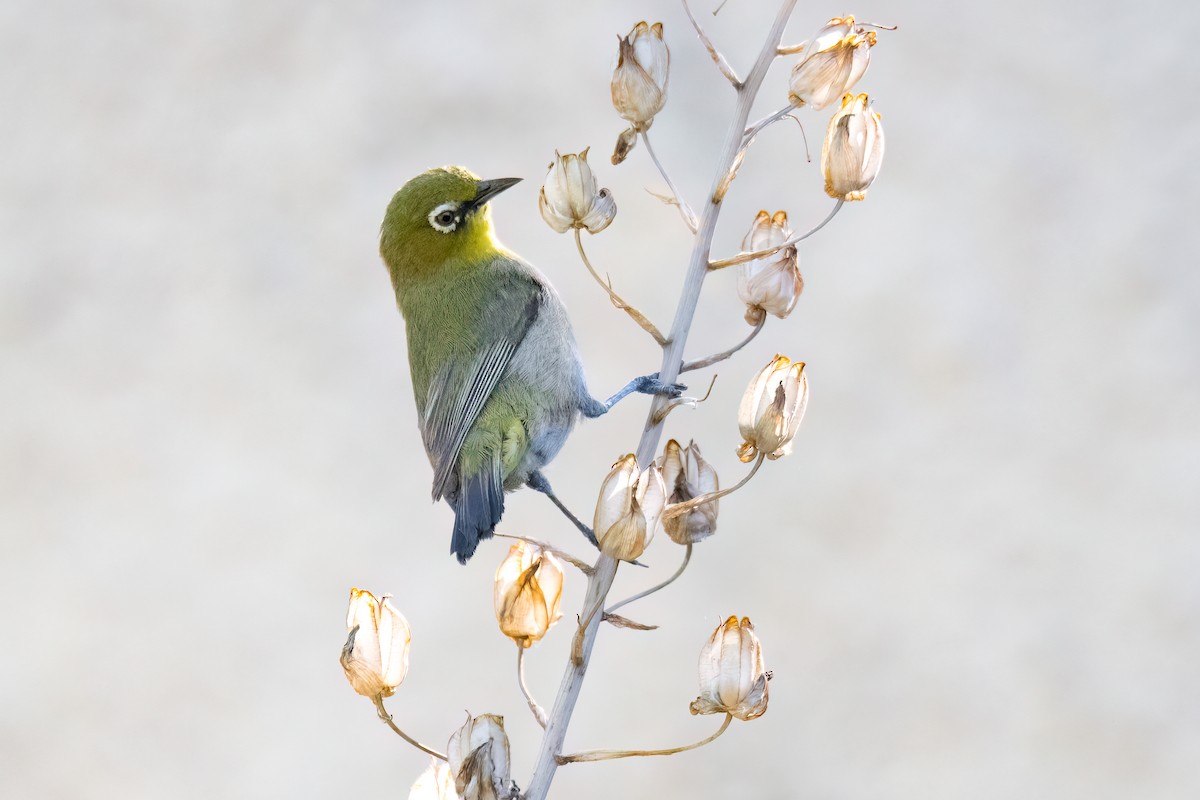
(444, 218)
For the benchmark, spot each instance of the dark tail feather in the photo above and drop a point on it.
(477, 509)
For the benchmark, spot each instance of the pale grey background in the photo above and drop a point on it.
(978, 575)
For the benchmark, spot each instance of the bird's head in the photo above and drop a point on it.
(440, 216)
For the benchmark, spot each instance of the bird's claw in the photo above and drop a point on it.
(652, 385)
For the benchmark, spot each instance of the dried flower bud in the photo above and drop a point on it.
(477, 755)
(569, 197)
(834, 59)
(629, 509)
(687, 475)
(639, 81)
(435, 783)
(732, 678)
(625, 143)
(772, 408)
(528, 587)
(772, 284)
(375, 656)
(853, 149)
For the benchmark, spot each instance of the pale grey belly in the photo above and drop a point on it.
(547, 362)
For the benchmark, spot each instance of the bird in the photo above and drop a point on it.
(495, 368)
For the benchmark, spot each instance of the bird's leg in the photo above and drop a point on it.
(537, 481)
(647, 384)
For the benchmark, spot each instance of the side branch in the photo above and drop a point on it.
(771, 119)
(676, 509)
(387, 718)
(538, 712)
(605, 755)
(689, 216)
(717, 58)
(687, 557)
(582, 566)
(742, 258)
(717, 358)
(633, 313)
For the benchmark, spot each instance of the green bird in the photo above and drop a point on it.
(495, 369)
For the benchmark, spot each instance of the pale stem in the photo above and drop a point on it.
(753, 130)
(717, 358)
(386, 717)
(685, 210)
(538, 712)
(791, 49)
(803, 135)
(717, 58)
(676, 509)
(633, 313)
(687, 556)
(742, 258)
(606, 567)
(605, 755)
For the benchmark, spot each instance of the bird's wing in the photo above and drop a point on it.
(458, 393)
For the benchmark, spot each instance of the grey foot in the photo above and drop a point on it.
(647, 384)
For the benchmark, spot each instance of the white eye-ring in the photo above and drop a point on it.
(444, 218)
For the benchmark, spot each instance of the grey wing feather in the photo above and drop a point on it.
(455, 398)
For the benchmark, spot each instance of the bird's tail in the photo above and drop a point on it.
(477, 509)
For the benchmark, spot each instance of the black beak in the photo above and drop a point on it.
(489, 189)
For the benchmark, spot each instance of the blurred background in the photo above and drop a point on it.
(978, 575)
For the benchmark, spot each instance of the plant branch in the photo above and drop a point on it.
(675, 509)
(687, 556)
(771, 119)
(685, 210)
(698, 266)
(717, 358)
(633, 313)
(717, 58)
(538, 712)
(386, 717)
(742, 258)
(605, 755)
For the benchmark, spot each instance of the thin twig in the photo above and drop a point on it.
(791, 49)
(687, 556)
(742, 258)
(717, 358)
(633, 313)
(675, 509)
(717, 58)
(582, 566)
(803, 135)
(386, 717)
(538, 712)
(685, 210)
(771, 119)
(605, 755)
